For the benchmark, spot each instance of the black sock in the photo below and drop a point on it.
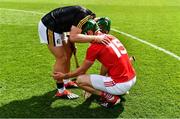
(60, 85)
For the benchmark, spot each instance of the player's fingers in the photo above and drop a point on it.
(105, 42)
(54, 75)
(55, 72)
(109, 41)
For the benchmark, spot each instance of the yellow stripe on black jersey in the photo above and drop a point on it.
(83, 21)
(50, 37)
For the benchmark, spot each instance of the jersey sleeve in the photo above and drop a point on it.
(82, 16)
(80, 20)
(92, 53)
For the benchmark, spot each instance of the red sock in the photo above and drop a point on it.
(106, 95)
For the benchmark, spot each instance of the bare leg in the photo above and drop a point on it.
(61, 66)
(60, 57)
(68, 53)
(85, 83)
(68, 83)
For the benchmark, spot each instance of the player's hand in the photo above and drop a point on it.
(58, 75)
(102, 39)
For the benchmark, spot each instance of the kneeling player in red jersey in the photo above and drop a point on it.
(113, 56)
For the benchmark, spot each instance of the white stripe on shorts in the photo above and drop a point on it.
(107, 84)
(50, 37)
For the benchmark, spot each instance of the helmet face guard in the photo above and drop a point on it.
(90, 25)
(104, 24)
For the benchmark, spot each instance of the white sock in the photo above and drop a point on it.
(61, 90)
(66, 81)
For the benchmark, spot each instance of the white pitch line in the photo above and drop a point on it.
(12, 24)
(26, 11)
(115, 30)
(147, 43)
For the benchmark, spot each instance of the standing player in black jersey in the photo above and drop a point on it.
(52, 31)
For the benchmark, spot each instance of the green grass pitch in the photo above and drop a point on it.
(27, 90)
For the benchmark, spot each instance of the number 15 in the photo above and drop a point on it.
(118, 47)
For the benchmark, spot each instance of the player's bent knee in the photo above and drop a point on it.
(83, 80)
(80, 79)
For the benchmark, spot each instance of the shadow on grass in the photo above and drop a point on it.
(40, 106)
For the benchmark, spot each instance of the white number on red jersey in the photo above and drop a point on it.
(118, 47)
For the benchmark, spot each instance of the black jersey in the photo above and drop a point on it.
(61, 19)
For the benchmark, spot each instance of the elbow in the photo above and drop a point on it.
(82, 72)
(73, 37)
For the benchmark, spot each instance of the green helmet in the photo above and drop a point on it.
(104, 24)
(90, 25)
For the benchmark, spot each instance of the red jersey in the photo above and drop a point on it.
(114, 57)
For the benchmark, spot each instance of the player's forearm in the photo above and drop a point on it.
(81, 38)
(75, 73)
(79, 71)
